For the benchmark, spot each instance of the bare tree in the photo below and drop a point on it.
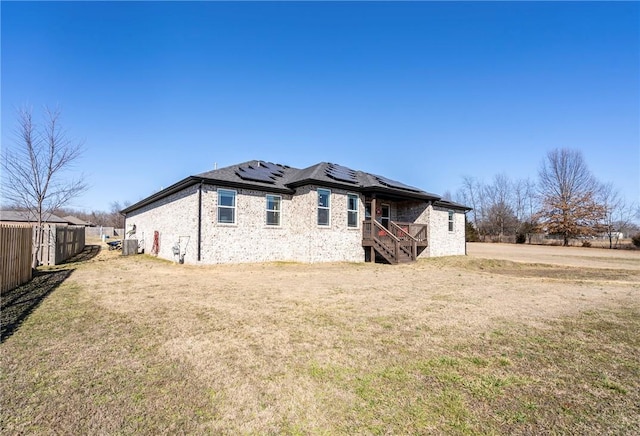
(500, 218)
(35, 169)
(470, 194)
(618, 215)
(568, 196)
(116, 219)
(520, 197)
(525, 206)
(447, 196)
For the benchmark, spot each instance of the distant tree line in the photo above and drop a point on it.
(110, 218)
(566, 201)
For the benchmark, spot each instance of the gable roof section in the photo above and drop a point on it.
(270, 177)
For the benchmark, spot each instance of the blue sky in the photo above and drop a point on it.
(424, 93)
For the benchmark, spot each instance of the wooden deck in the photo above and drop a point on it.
(399, 243)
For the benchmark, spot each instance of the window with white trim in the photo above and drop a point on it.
(226, 206)
(352, 210)
(451, 221)
(273, 210)
(324, 207)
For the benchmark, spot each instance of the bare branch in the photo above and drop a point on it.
(34, 167)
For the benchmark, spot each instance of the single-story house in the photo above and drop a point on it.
(27, 217)
(260, 212)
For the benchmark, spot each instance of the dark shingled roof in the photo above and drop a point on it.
(229, 176)
(270, 177)
(77, 221)
(365, 182)
(451, 204)
(28, 217)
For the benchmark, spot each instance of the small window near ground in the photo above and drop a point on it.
(451, 221)
(324, 207)
(273, 210)
(352, 210)
(226, 206)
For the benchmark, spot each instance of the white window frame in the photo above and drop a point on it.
(327, 208)
(355, 211)
(278, 211)
(233, 208)
(451, 221)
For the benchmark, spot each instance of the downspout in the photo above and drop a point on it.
(465, 232)
(199, 220)
(124, 228)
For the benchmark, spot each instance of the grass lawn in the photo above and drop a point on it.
(123, 345)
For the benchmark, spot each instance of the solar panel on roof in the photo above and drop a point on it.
(275, 169)
(394, 184)
(338, 172)
(263, 172)
(255, 174)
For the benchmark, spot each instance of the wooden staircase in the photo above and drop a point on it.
(399, 243)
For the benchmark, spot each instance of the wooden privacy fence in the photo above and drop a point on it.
(15, 255)
(59, 243)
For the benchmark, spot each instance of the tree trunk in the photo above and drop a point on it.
(37, 246)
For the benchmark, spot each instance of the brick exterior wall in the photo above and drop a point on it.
(298, 237)
(175, 218)
(442, 242)
(250, 239)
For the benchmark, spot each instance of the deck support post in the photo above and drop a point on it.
(373, 218)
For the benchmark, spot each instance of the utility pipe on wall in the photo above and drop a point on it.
(199, 220)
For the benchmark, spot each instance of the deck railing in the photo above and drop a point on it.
(396, 241)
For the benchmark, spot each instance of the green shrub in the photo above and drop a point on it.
(521, 238)
(636, 240)
(471, 232)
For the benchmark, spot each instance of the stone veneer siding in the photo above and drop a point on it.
(298, 238)
(442, 242)
(176, 219)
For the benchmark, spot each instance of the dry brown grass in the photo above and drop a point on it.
(451, 345)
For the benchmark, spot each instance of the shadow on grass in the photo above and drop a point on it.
(18, 303)
(89, 252)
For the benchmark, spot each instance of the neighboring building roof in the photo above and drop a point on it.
(77, 221)
(270, 177)
(28, 217)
